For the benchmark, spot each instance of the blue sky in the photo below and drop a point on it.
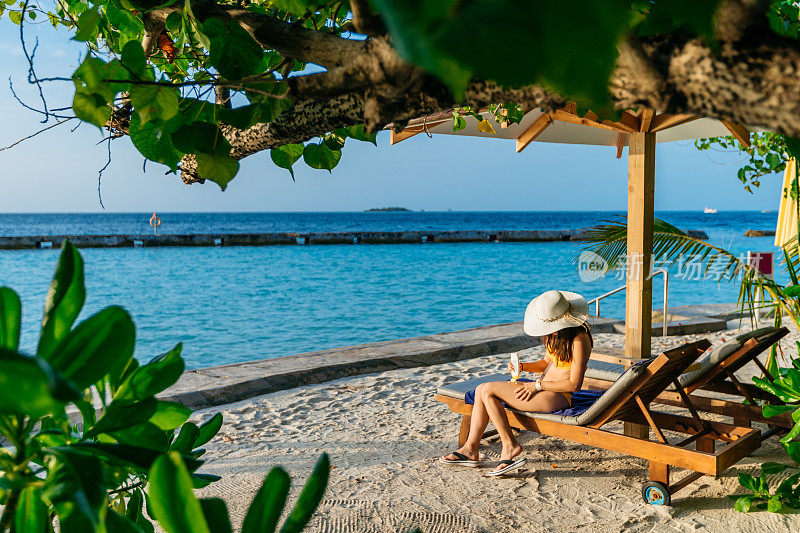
(57, 171)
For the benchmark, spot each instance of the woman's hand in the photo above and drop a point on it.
(525, 391)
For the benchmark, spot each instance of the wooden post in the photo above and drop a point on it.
(639, 285)
(463, 432)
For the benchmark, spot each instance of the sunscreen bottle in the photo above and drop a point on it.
(516, 367)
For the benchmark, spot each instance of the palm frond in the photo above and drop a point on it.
(670, 245)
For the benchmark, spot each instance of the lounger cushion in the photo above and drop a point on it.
(611, 372)
(459, 390)
(718, 354)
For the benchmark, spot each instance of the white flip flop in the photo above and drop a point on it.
(510, 464)
(462, 460)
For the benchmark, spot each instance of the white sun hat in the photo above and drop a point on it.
(555, 310)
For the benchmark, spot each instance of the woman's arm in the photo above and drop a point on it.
(581, 350)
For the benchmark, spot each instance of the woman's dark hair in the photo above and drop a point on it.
(559, 344)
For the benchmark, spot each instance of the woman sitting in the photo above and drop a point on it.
(559, 317)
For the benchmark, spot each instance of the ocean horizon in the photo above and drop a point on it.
(235, 304)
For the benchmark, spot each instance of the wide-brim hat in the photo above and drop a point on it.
(555, 310)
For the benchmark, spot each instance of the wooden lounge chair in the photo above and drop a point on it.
(715, 373)
(628, 400)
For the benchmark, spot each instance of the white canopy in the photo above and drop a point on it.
(566, 126)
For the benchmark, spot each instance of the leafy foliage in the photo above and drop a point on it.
(90, 470)
(169, 89)
(767, 154)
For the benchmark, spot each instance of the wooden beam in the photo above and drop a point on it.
(621, 141)
(563, 116)
(630, 121)
(407, 133)
(533, 131)
(504, 124)
(739, 132)
(645, 118)
(664, 121)
(639, 284)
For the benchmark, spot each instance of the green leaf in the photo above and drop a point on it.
(117, 523)
(64, 299)
(774, 505)
(287, 155)
(154, 377)
(203, 480)
(32, 516)
(321, 157)
(775, 410)
(359, 133)
(309, 498)
(133, 58)
(10, 319)
(334, 142)
(91, 108)
(153, 141)
(216, 514)
(120, 415)
(266, 508)
(747, 481)
(773, 468)
(219, 168)
(124, 454)
(123, 20)
(745, 503)
(201, 137)
(186, 438)
(144, 435)
(154, 102)
(792, 291)
(171, 498)
(99, 346)
(170, 415)
(208, 430)
(233, 51)
(793, 449)
(26, 387)
(88, 25)
(72, 487)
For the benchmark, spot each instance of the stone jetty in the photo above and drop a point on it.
(267, 239)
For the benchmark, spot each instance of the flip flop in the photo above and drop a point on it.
(510, 464)
(463, 460)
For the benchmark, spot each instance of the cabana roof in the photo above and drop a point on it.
(565, 125)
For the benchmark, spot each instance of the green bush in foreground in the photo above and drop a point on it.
(115, 468)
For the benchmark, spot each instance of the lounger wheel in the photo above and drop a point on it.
(656, 493)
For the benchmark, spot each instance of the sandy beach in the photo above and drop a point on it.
(384, 431)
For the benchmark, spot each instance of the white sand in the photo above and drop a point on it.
(384, 432)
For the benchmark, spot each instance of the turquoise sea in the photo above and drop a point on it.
(234, 304)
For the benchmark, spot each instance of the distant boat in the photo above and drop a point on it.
(767, 210)
(709, 210)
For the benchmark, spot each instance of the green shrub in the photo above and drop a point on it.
(69, 464)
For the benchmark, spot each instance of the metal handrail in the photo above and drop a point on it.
(664, 320)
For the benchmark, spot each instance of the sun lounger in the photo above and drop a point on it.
(628, 400)
(715, 373)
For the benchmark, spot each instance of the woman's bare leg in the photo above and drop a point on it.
(501, 391)
(478, 422)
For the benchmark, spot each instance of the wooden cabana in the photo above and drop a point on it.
(639, 131)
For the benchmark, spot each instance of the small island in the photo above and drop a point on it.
(387, 209)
